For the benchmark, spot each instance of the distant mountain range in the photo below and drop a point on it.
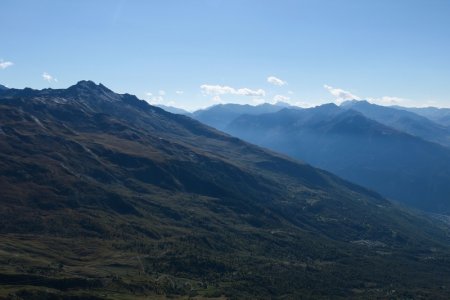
(106, 196)
(220, 115)
(403, 120)
(389, 149)
(438, 115)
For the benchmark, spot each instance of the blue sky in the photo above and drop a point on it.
(195, 53)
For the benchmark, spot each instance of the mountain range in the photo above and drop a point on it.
(174, 110)
(438, 115)
(107, 197)
(220, 115)
(403, 120)
(393, 151)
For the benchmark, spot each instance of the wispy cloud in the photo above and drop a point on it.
(388, 100)
(281, 98)
(217, 99)
(223, 90)
(154, 99)
(158, 98)
(258, 101)
(5, 64)
(304, 104)
(340, 94)
(49, 78)
(276, 81)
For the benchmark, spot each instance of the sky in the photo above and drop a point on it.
(196, 53)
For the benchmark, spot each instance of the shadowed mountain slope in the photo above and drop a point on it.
(105, 196)
(398, 165)
(174, 110)
(438, 115)
(404, 120)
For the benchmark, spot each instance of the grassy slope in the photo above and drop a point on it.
(123, 200)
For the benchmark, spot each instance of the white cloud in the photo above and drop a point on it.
(179, 92)
(304, 104)
(217, 99)
(249, 92)
(155, 100)
(388, 100)
(281, 98)
(216, 89)
(340, 94)
(49, 78)
(223, 90)
(276, 81)
(5, 64)
(290, 92)
(258, 101)
(159, 98)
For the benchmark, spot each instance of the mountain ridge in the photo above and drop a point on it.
(403, 120)
(105, 193)
(362, 150)
(220, 115)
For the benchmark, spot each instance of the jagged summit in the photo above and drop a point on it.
(91, 94)
(89, 85)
